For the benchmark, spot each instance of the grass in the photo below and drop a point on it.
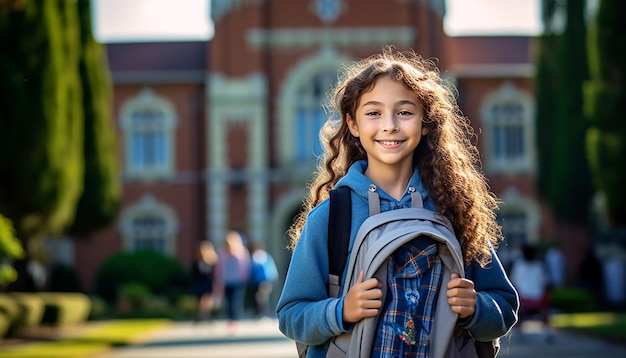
(606, 325)
(95, 339)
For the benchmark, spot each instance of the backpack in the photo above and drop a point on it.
(370, 253)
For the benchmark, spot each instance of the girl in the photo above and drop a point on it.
(399, 130)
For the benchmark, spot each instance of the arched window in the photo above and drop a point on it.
(310, 115)
(148, 232)
(148, 124)
(301, 109)
(509, 131)
(149, 225)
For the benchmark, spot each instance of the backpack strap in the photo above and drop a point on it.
(339, 222)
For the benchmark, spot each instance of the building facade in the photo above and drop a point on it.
(223, 135)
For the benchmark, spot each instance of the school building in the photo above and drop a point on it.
(223, 134)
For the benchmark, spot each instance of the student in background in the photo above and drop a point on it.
(530, 277)
(203, 279)
(263, 274)
(233, 273)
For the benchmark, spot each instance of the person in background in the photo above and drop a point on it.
(555, 260)
(233, 273)
(263, 274)
(202, 279)
(530, 277)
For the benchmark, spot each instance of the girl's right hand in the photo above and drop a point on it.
(363, 300)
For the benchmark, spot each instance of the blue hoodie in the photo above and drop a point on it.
(305, 312)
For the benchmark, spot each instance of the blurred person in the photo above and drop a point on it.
(203, 279)
(263, 274)
(555, 261)
(530, 277)
(232, 274)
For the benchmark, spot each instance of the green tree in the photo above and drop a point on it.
(605, 104)
(564, 177)
(99, 202)
(57, 153)
(546, 91)
(41, 152)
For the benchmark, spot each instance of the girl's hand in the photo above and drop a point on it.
(363, 300)
(461, 296)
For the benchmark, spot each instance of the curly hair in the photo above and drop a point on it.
(447, 156)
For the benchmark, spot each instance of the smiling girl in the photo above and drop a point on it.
(399, 130)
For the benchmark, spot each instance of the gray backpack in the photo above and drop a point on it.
(378, 237)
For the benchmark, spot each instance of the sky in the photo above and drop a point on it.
(143, 20)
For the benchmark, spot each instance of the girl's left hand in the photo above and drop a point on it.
(461, 295)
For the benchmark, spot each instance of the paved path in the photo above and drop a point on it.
(261, 339)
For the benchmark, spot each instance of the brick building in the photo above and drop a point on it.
(222, 134)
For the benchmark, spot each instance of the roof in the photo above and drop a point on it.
(491, 56)
(157, 61)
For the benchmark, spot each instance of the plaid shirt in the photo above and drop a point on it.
(415, 273)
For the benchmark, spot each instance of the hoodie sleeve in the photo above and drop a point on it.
(497, 302)
(305, 312)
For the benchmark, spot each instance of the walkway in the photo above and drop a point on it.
(262, 339)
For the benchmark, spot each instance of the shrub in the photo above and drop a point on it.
(65, 308)
(134, 293)
(9, 314)
(572, 299)
(162, 275)
(32, 308)
(99, 308)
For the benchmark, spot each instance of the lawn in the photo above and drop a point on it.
(95, 339)
(607, 325)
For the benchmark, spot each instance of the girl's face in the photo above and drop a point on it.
(388, 124)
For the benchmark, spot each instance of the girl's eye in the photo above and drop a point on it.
(372, 113)
(405, 113)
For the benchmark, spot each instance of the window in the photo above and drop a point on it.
(310, 115)
(149, 233)
(148, 125)
(509, 130)
(149, 225)
(148, 140)
(301, 110)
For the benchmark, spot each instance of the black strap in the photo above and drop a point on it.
(339, 221)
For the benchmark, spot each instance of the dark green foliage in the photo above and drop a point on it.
(41, 154)
(99, 202)
(63, 278)
(605, 104)
(564, 177)
(162, 275)
(573, 299)
(10, 250)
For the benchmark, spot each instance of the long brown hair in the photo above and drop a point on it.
(447, 156)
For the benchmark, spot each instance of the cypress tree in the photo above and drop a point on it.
(605, 103)
(570, 180)
(100, 198)
(545, 93)
(564, 177)
(41, 153)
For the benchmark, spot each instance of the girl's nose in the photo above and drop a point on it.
(389, 124)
